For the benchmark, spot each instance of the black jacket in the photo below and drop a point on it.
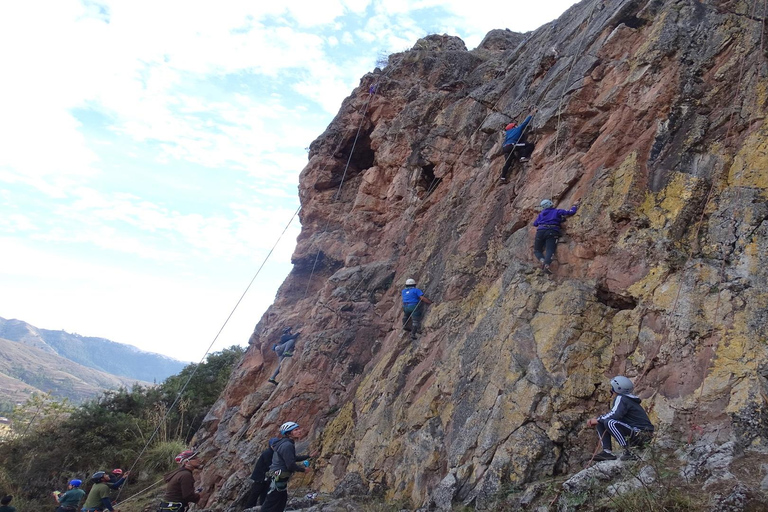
(627, 409)
(284, 458)
(262, 463)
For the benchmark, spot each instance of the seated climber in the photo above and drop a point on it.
(413, 306)
(627, 421)
(548, 231)
(515, 146)
(284, 349)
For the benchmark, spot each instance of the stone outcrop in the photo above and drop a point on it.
(651, 113)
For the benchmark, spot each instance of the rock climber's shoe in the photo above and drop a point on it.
(524, 159)
(628, 455)
(272, 381)
(503, 179)
(288, 354)
(546, 269)
(604, 455)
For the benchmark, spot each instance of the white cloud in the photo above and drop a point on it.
(150, 151)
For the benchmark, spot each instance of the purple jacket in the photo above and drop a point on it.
(552, 217)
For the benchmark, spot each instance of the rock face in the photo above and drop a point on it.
(649, 113)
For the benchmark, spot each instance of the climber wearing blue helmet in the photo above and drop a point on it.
(284, 466)
(69, 501)
(548, 231)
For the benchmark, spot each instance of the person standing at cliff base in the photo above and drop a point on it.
(283, 349)
(180, 484)
(260, 485)
(284, 466)
(413, 306)
(98, 497)
(117, 478)
(5, 504)
(515, 146)
(69, 501)
(627, 421)
(548, 231)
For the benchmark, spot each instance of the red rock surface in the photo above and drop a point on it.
(649, 114)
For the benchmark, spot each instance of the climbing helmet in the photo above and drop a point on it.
(117, 471)
(621, 385)
(75, 482)
(410, 282)
(546, 203)
(287, 427)
(185, 456)
(97, 476)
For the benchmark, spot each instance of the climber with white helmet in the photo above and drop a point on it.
(627, 421)
(548, 231)
(413, 309)
(515, 146)
(283, 349)
(284, 466)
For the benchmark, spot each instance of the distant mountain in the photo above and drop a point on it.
(25, 369)
(98, 353)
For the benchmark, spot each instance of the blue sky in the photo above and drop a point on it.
(150, 151)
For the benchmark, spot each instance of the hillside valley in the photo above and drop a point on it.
(71, 366)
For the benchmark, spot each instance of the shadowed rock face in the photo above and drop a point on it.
(649, 113)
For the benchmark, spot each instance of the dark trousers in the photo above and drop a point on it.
(545, 238)
(258, 494)
(275, 502)
(514, 152)
(414, 313)
(626, 435)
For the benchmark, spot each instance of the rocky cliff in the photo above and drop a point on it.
(651, 113)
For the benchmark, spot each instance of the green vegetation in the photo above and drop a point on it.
(54, 442)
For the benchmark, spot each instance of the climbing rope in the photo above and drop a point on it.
(371, 93)
(566, 85)
(197, 367)
(136, 495)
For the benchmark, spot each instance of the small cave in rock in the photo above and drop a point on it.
(427, 178)
(353, 156)
(632, 22)
(362, 156)
(615, 300)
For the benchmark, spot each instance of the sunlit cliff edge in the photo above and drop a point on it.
(649, 113)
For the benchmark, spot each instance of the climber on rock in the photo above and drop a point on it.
(515, 146)
(627, 421)
(548, 231)
(283, 349)
(284, 466)
(413, 306)
(260, 484)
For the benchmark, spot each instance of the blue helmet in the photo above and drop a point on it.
(75, 482)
